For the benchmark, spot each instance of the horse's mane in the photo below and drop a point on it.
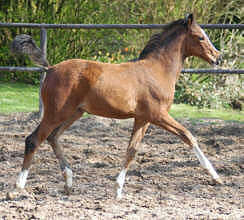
(159, 40)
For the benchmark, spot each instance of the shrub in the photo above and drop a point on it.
(110, 45)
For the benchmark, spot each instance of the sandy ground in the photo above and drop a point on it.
(165, 181)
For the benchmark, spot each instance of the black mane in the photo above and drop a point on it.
(163, 38)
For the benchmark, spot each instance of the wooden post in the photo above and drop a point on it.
(43, 47)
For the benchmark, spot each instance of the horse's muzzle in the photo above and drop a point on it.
(218, 60)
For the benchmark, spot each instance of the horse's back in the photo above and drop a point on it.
(99, 88)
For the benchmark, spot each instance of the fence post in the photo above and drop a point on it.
(43, 47)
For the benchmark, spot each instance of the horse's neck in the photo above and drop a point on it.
(172, 57)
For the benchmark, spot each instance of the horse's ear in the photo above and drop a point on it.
(189, 20)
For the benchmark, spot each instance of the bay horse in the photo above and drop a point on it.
(142, 89)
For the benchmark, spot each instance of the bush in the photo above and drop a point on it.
(209, 91)
(122, 45)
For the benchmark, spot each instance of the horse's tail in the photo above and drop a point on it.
(24, 45)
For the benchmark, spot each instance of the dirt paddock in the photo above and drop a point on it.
(165, 181)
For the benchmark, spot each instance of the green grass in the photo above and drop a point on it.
(20, 97)
(192, 112)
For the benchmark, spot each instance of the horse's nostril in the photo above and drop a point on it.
(218, 60)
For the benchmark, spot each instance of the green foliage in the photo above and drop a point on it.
(209, 91)
(122, 45)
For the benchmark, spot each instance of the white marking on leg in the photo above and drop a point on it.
(120, 180)
(68, 177)
(205, 162)
(21, 180)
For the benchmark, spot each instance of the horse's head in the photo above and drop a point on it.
(198, 43)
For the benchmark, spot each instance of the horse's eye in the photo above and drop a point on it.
(201, 38)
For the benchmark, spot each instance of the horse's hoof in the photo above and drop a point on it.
(13, 194)
(219, 181)
(67, 190)
(10, 196)
(119, 197)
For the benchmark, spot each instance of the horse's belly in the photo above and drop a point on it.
(110, 104)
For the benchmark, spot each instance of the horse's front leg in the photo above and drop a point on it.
(138, 133)
(167, 122)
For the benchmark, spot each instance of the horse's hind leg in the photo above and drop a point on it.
(138, 132)
(167, 122)
(32, 142)
(53, 141)
(50, 121)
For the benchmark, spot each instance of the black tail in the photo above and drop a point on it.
(24, 44)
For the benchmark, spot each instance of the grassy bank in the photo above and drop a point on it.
(20, 97)
(192, 112)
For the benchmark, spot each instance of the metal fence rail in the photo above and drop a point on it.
(21, 69)
(196, 71)
(214, 71)
(114, 26)
(44, 27)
